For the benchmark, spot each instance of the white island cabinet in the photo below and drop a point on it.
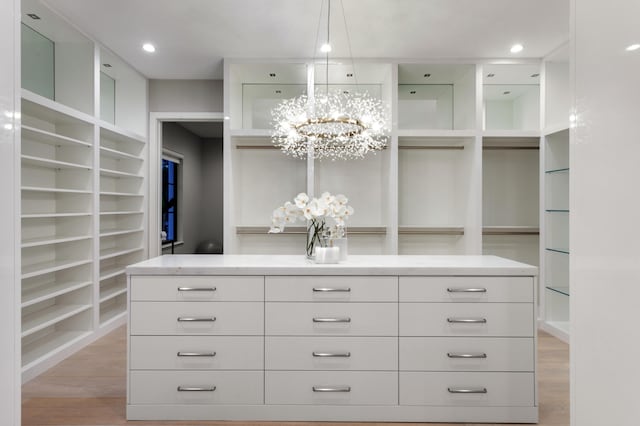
(375, 338)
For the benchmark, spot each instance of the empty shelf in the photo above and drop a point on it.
(36, 321)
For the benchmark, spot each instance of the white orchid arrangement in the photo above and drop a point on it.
(316, 211)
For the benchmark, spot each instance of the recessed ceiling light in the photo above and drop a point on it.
(278, 91)
(427, 75)
(148, 47)
(346, 92)
(33, 16)
(272, 74)
(350, 75)
(106, 65)
(325, 48)
(535, 75)
(516, 48)
(226, 117)
(413, 92)
(632, 47)
(506, 92)
(491, 75)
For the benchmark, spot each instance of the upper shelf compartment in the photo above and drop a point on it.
(436, 96)
(57, 61)
(511, 97)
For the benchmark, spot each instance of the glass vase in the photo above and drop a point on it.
(315, 237)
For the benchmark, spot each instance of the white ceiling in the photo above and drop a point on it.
(193, 36)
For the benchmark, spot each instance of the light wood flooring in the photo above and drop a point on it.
(88, 388)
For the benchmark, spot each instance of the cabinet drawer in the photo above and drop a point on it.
(466, 354)
(331, 387)
(484, 319)
(196, 353)
(466, 289)
(331, 353)
(219, 387)
(230, 318)
(308, 319)
(333, 289)
(185, 288)
(447, 389)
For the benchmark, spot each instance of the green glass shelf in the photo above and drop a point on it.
(558, 250)
(557, 170)
(561, 290)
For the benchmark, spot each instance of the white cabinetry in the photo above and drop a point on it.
(376, 338)
(82, 183)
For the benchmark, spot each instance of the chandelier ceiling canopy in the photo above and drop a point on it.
(329, 122)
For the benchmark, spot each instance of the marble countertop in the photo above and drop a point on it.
(199, 264)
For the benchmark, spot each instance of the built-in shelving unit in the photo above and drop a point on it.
(72, 164)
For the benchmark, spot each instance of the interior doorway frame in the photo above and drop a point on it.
(156, 119)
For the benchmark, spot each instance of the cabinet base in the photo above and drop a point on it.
(334, 413)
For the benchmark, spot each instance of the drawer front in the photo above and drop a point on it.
(214, 318)
(217, 387)
(196, 353)
(331, 353)
(466, 289)
(333, 289)
(485, 319)
(467, 354)
(309, 319)
(187, 288)
(487, 389)
(331, 387)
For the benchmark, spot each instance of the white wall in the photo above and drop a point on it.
(212, 187)
(9, 214)
(605, 215)
(185, 96)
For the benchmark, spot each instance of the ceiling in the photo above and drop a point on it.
(193, 36)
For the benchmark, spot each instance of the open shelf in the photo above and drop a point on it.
(54, 215)
(112, 290)
(35, 242)
(121, 232)
(112, 271)
(114, 153)
(121, 213)
(118, 174)
(115, 252)
(61, 190)
(119, 194)
(49, 345)
(47, 317)
(42, 268)
(51, 164)
(50, 290)
(43, 136)
(113, 309)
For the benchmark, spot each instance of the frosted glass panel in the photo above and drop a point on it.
(511, 107)
(425, 106)
(37, 63)
(259, 99)
(107, 98)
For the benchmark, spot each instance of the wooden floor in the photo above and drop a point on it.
(89, 389)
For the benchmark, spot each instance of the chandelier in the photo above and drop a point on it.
(330, 124)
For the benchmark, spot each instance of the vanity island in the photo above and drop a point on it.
(374, 338)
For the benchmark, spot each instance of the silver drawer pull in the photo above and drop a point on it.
(331, 290)
(331, 388)
(196, 319)
(466, 290)
(192, 389)
(197, 289)
(196, 354)
(345, 319)
(466, 355)
(467, 320)
(331, 354)
(467, 390)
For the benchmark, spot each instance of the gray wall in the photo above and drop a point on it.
(201, 188)
(185, 96)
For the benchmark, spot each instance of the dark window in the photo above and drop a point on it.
(170, 200)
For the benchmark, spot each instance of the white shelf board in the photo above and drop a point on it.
(555, 129)
(42, 268)
(511, 134)
(119, 134)
(49, 345)
(112, 313)
(53, 215)
(251, 133)
(435, 133)
(49, 316)
(122, 212)
(62, 190)
(118, 174)
(55, 112)
(112, 291)
(112, 271)
(120, 194)
(431, 230)
(35, 242)
(50, 138)
(122, 232)
(51, 164)
(50, 290)
(114, 153)
(110, 253)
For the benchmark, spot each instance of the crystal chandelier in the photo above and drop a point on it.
(330, 124)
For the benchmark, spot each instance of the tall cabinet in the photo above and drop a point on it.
(83, 150)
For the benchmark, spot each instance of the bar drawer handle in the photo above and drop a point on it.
(197, 289)
(466, 290)
(467, 390)
(331, 388)
(192, 389)
(197, 354)
(467, 320)
(331, 290)
(331, 354)
(196, 319)
(466, 355)
(345, 319)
